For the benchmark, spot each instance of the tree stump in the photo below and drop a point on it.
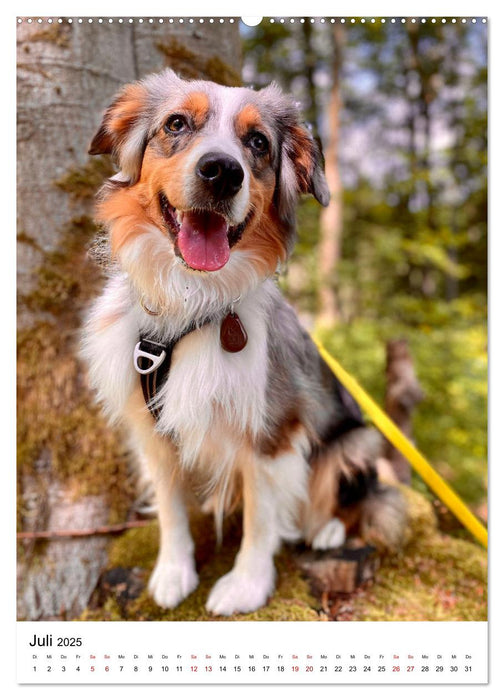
(339, 570)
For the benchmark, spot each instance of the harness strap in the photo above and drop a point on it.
(152, 360)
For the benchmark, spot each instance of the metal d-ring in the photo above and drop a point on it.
(147, 310)
(235, 301)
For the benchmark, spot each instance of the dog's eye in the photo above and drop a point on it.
(258, 143)
(175, 124)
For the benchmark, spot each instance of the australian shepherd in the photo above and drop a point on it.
(192, 348)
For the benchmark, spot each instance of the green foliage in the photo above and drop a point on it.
(266, 46)
(413, 258)
(451, 363)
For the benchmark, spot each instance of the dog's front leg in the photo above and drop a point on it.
(174, 576)
(251, 581)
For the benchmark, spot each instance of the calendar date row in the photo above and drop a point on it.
(282, 668)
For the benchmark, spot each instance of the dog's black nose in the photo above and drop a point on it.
(221, 174)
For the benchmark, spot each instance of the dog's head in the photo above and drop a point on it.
(215, 169)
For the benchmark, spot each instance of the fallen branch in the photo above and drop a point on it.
(104, 530)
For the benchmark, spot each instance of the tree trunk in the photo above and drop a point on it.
(331, 218)
(65, 74)
(310, 60)
(428, 80)
(73, 472)
(403, 392)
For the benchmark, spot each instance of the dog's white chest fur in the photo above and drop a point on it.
(209, 388)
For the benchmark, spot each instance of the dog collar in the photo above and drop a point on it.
(152, 359)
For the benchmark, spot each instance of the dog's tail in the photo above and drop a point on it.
(372, 509)
(383, 518)
(344, 485)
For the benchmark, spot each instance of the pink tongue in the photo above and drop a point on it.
(203, 240)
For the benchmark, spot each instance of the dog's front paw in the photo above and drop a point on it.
(170, 583)
(241, 591)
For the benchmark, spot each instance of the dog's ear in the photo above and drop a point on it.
(123, 131)
(299, 160)
(306, 155)
(300, 170)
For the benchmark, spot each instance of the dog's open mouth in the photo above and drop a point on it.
(203, 238)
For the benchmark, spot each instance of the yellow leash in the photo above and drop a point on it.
(416, 459)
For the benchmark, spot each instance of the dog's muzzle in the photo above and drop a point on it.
(204, 234)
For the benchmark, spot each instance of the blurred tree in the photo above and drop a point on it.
(331, 218)
(300, 57)
(412, 156)
(72, 472)
(416, 99)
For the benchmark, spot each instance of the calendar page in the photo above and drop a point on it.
(252, 349)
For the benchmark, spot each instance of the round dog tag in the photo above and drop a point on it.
(233, 335)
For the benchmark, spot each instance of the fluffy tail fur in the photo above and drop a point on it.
(345, 485)
(374, 510)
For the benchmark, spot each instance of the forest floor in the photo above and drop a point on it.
(436, 576)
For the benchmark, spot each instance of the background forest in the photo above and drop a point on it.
(401, 110)
(401, 252)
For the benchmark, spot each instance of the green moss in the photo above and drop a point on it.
(23, 237)
(220, 72)
(175, 51)
(59, 425)
(63, 439)
(57, 288)
(110, 612)
(65, 275)
(435, 577)
(192, 66)
(292, 599)
(422, 522)
(82, 183)
(444, 580)
(180, 58)
(137, 547)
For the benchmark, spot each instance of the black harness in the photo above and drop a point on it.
(152, 359)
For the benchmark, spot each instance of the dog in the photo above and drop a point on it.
(200, 215)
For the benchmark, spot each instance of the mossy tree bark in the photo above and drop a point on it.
(66, 74)
(72, 471)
